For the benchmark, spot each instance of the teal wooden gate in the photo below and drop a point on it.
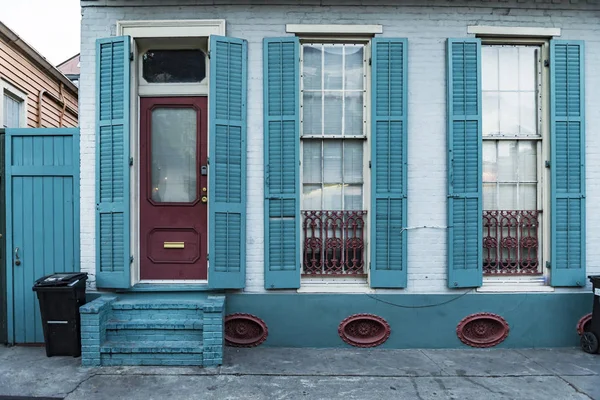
(42, 219)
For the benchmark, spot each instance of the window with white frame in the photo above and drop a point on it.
(13, 110)
(333, 149)
(512, 93)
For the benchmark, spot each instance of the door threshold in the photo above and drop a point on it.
(174, 281)
(153, 286)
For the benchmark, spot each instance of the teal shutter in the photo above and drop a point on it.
(227, 163)
(112, 162)
(281, 61)
(388, 163)
(567, 163)
(465, 206)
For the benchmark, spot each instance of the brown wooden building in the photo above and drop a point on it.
(33, 93)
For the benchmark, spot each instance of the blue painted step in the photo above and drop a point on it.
(152, 347)
(162, 310)
(152, 330)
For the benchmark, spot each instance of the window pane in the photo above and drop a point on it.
(312, 66)
(312, 109)
(507, 161)
(528, 161)
(12, 112)
(489, 68)
(354, 67)
(332, 161)
(527, 66)
(353, 119)
(333, 66)
(527, 196)
(490, 166)
(490, 201)
(311, 197)
(353, 161)
(509, 67)
(509, 113)
(173, 155)
(312, 161)
(333, 113)
(507, 197)
(353, 197)
(174, 66)
(332, 196)
(528, 113)
(491, 119)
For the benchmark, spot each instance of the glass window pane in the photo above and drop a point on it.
(353, 161)
(527, 161)
(490, 166)
(173, 155)
(332, 196)
(174, 66)
(333, 113)
(528, 113)
(509, 113)
(354, 67)
(509, 67)
(491, 120)
(333, 66)
(311, 197)
(490, 201)
(489, 68)
(312, 110)
(12, 112)
(332, 161)
(353, 118)
(507, 197)
(312, 66)
(507, 160)
(353, 197)
(527, 196)
(311, 161)
(527, 67)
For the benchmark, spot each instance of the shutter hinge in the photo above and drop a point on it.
(130, 259)
(131, 56)
(369, 163)
(547, 163)
(206, 256)
(370, 60)
(130, 160)
(548, 265)
(208, 55)
(207, 160)
(547, 63)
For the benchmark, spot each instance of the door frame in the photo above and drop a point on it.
(3, 275)
(9, 172)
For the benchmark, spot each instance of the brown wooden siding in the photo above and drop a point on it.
(30, 78)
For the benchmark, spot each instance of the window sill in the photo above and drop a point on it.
(334, 285)
(514, 287)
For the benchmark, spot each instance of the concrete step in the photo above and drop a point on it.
(154, 330)
(155, 324)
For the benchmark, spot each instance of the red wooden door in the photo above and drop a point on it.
(173, 188)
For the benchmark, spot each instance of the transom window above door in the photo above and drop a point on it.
(174, 66)
(333, 151)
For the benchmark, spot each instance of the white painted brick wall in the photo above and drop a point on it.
(426, 29)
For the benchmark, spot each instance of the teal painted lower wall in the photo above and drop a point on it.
(416, 321)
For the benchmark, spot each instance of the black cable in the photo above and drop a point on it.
(427, 306)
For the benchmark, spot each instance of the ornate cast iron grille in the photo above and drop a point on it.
(510, 242)
(333, 242)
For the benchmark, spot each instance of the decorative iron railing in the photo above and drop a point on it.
(333, 242)
(510, 242)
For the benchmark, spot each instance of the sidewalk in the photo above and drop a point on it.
(283, 373)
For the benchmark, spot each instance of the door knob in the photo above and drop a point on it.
(204, 199)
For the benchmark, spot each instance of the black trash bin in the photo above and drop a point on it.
(60, 296)
(590, 340)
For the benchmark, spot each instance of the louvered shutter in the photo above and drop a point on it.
(567, 163)
(227, 162)
(464, 163)
(112, 162)
(388, 163)
(281, 61)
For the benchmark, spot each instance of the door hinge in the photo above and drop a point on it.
(548, 265)
(131, 56)
(130, 160)
(130, 259)
(547, 163)
(547, 63)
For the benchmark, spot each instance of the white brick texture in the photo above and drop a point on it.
(427, 29)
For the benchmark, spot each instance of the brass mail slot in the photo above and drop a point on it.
(174, 245)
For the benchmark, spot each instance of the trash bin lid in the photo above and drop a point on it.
(61, 279)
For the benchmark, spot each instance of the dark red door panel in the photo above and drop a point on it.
(173, 190)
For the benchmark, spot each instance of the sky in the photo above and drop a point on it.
(49, 26)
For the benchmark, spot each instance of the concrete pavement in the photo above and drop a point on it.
(284, 373)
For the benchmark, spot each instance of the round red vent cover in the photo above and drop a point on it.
(584, 324)
(364, 330)
(482, 330)
(244, 330)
